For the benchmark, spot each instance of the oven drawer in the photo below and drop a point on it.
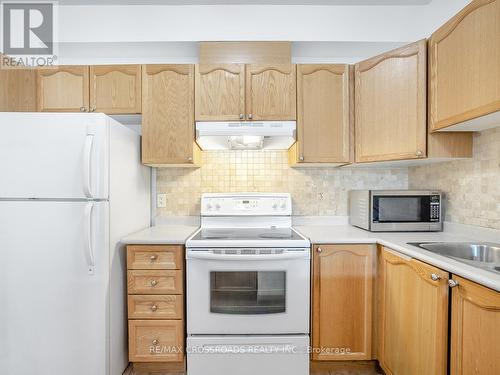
(142, 257)
(156, 340)
(155, 282)
(155, 307)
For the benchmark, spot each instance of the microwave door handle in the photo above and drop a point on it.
(211, 256)
(87, 165)
(88, 238)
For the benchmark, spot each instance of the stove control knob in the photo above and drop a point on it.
(217, 206)
(275, 206)
(209, 206)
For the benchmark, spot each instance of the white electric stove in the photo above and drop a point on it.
(248, 283)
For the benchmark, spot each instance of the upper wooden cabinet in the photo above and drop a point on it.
(390, 105)
(464, 63)
(324, 94)
(63, 89)
(475, 329)
(413, 316)
(168, 115)
(270, 92)
(342, 301)
(220, 92)
(115, 89)
(17, 90)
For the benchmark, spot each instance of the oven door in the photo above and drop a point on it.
(254, 293)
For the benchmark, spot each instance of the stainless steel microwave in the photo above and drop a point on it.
(396, 210)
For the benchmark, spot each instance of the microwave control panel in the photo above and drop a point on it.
(435, 204)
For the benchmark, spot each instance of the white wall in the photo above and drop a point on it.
(107, 33)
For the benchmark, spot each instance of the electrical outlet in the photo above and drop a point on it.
(161, 200)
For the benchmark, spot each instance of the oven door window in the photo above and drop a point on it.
(401, 209)
(254, 292)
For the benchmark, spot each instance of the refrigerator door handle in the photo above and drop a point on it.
(87, 165)
(88, 238)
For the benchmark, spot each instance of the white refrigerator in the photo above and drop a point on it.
(71, 185)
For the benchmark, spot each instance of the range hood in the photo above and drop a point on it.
(247, 135)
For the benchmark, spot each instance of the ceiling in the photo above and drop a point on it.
(245, 2)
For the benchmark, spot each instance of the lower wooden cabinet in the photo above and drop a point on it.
(156, 307)
(413, 316)
(475, 329)
(342, 302)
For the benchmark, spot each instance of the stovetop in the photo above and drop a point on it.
(246, 234)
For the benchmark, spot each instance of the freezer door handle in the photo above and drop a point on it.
(88, 236)
(87, 165)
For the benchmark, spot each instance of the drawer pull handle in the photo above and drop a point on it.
(154, 308)
(155, 342)
(153, 257)
(154, 283)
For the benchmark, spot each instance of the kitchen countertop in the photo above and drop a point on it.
(344, 233)
(161, 234)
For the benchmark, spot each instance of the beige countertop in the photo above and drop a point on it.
(344, 233)
(161, 234)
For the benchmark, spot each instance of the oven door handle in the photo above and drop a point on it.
(212, 256)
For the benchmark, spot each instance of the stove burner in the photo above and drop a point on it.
(274, 235)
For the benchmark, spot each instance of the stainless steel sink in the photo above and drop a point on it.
(481, 254)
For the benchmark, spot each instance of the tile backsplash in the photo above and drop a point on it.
(472, 186)
(315, 191)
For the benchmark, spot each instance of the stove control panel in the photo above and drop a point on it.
(252, 204)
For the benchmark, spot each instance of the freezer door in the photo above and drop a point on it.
(54, 275)
(47, 155)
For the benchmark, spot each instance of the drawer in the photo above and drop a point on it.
(155, 282)
(155, 307)
(155, 257)
(156, 340)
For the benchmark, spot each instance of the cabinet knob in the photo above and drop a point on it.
(189, 158)
(435, 277)
(154, 308)
(249, 116)
(153, 257)
(154, 283)
(83, 109)
(242, 116)
(452, 283)
(301, 158)
(319, 250)
(155, 342)
(92, 109)
(419, 153)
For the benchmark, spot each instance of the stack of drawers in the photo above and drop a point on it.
(155, 303)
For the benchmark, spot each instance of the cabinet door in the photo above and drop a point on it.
(475, 329)
(464, 63)
(115, 89)
(63, 89)
(323, 113)
(342, 302)
(167, 114)
(413, 316)
(270, 92)
(390, 106)
(220, 92)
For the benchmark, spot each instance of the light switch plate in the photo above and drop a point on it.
(161, 200)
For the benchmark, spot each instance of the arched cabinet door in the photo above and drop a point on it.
(464, 67)
(323, 113)
(168, 115)
(412, 315)
(220, 92)
(390, 105)
(63, 89)
(270, 92)
(115, 89)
